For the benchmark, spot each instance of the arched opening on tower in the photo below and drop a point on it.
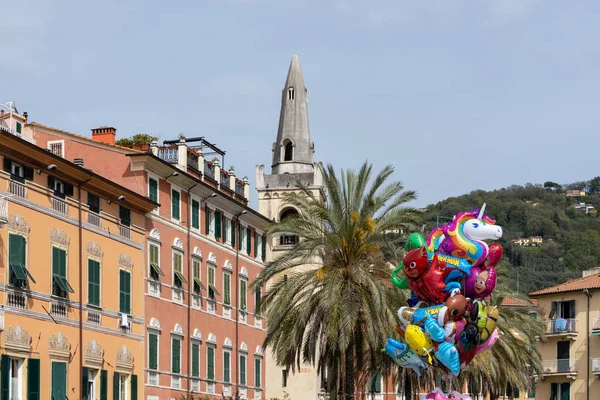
(288, 154)
(291, 94)
(288, 240)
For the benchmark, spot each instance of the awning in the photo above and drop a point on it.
(199, 283)
(21, 272)
(157, 269)
(181, 277)
(63, 284)
(214, 289)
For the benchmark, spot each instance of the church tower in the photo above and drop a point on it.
(293, 161)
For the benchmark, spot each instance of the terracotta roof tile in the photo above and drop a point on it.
(509, 301)
(588, 282)
(82, 137)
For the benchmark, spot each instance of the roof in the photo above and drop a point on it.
(509, 301)
(38, 125)
(588, 282)
(13, 147)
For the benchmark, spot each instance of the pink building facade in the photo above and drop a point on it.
(204, 248)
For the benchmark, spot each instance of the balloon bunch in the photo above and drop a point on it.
(451, 275)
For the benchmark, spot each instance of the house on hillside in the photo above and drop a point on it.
(575, 193)
(587, 208)
(530, 241)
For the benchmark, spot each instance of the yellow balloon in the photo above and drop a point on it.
(418, 341)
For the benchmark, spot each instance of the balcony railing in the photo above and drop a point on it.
(59, 205)
(209, 170)
(125, 231)
(596, 365)
(93, 218)
(16, 300)
(289, 240)
(18, 189)
(192, 161)
(196, 301)
(153, 378)
(169, 155)
(59, 308)
(93, 317)
(561, 326)
(175, 382)
(17, 134)
(224, 179)
(154, 288)
(239, 188)
(177, 295)
(557, 367)
(195, 385)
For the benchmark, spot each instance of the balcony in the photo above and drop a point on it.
(226, 311)
(17, 188)
(195, 385)
(243, 392)
(564, 367)
(59, 308)
(177, 296)
(59, 205)
(125, 231)
(93, 218)
(258, 322)
(168, 154)
(93, 317)
(210, 387)
(154, 288)
(209, 171)
(17, 134)
(226, 389)
(561, 327)
(175, 382)
(153, 378)
(239, 188)
(196, 301)
(17, 299)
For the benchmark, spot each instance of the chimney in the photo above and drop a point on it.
(78, 162)
(104, 134)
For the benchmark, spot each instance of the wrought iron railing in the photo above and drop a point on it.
(209, 170)
(170, 155)
(561, 325)
(239, 188)
(224, 179)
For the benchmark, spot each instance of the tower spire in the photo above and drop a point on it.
(293, 149)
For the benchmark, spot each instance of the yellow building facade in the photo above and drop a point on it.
(71, 279)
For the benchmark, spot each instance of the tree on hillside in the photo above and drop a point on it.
(338, 314)
(595, 185)
(137, 139)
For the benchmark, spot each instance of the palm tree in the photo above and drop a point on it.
(329, 300)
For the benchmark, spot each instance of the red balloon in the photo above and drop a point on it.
(426, 279)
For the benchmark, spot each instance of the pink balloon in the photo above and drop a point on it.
(488, 343)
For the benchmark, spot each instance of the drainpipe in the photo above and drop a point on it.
(587, 332)
(237, 303)
(190, 284)
(80, 229)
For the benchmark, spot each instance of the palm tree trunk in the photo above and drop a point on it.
(349, 375)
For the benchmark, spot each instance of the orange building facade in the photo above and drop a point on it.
(203, 248)
(72, 276)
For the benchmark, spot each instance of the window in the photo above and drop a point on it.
(175, 203)
(208, 216)
(93, 203)
(288, 240)
(94, 282)
(17, 255)
(125, 216)
(195, 360)
(178, 278)
(88, 383)
(563, 356)
(59, 380)
(155, 271)
(242, 238)
(226, 225)
(18, 172)
(256, 246)
(562, 316)
(226, 288)
(243, 299)
(210, 363)
(257, 300)
(288, 151)
(56, 147)
(233, 233)
(124, 292)
(226, 366)
(264, 248)
(212, 290)
(122, 379)
(16, 383)
(257, 371)
(61, 189)
(153, 351)
(242, 370)
(175, 355)
(195, 214)
(19, 127)
(197, 281)
(560, 391)
(248, 240)
(60, 285)
(375, 386)
(291, 94)
(153, 189)
(217, 221)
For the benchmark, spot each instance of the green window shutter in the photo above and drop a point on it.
(264, 247)
(4, 377)
(195, 360)
(210, 354)
(55, 261)
(223, 227)
(175, 204)
(257, 300)
(226, 367)
(243, 370)
(153, 188)
(195, 214)
(175, 356)
(16, 257)
(227, 289)
(242, 294)
(103, 385)
(84, 383)
(33, 379)
(134, 387)
(255, 244)
(377, 383)
(232, 233)
(115, 385)
(248, 240)
(94, 282)
(152, 351)
(217, 224)
(59, 380)
(257, 368)
(124, 292)
(206, 220)
(18, 127)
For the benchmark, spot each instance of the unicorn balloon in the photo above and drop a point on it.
(465, 236)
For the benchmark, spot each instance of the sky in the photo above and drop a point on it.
(458, 95)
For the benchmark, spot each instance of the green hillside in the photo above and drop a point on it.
(571, 236)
